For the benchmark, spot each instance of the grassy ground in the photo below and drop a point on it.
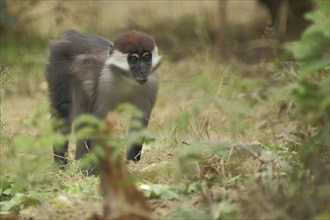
(222, 144)
(203, 111)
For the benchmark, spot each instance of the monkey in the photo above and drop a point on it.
(87, 73)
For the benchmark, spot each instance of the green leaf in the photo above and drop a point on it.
(312, 66)
(116, 153)
(311, 46)
(225, 210)
(188, 188)
(99, 152)
(88, 120)
(7, 191)
(320, 23)
(130, 108)
(314, 41)
(324, 6)
(159, 191)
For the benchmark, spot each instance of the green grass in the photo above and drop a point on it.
(222, 140)
(209, 130)
(23, 58)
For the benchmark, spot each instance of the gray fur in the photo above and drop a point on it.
(80, 82)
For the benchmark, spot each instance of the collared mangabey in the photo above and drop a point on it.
(89, 74)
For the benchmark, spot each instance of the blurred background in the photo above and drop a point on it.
(250, 31)
(241, 124)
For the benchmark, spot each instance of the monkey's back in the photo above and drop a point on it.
(75, 56)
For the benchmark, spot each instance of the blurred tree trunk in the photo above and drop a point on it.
(288, 17)
(121, 198)
(280, 23)
(221, 20)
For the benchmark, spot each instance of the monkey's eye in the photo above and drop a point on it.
(133, 58)
(146, 56)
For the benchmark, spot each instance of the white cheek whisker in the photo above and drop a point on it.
(155, 61)
(155, 57)
(119, 60)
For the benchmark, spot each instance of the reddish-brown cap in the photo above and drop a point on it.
(134, 41)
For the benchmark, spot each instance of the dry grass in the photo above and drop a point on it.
(217, 125)
(198, 109)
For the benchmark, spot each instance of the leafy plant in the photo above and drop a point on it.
(311, 91)
(168, 192)
(10, 201)
(311, 95)
(314, 42)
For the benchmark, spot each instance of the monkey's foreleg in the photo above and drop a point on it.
(60, 151)
(61, 154)
(135, 150)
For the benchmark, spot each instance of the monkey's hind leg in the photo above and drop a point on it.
(61, 154)
(62, 124)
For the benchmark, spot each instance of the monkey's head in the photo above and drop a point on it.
(135, 55)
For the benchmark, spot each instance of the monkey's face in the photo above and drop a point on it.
(140, 65)
(135, 55)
